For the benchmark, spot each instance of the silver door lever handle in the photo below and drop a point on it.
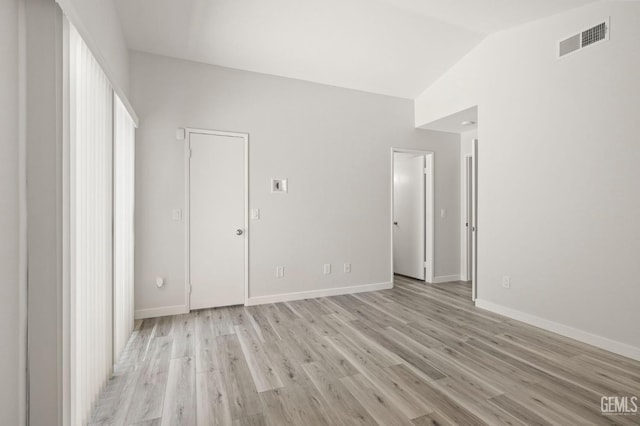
(239, 231)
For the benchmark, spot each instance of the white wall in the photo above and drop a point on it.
(558, 172)
(98, 23)
(43, 123)
(332, 144)
(9, 216)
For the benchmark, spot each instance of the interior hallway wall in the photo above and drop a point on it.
(332, 144)
(558, 172)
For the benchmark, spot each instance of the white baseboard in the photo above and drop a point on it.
(564, 330)
(286, 297)
(445, 279)
(162, 311)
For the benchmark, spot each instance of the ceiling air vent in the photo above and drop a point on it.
(584, 39)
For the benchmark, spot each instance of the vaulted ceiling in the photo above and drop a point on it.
(391, 47)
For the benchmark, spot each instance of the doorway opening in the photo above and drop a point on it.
(412, 213)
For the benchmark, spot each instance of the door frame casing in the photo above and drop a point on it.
(429, 210)
(187, 202)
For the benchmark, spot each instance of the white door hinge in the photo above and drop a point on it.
(426, 265)
(426, 171)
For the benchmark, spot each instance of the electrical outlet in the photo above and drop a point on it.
(159, 282)
(279, 185)
(347, 268)
(327, 268)
(280, 272)
(506, 281)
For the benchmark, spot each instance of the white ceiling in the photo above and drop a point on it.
(487, 16)
(392, 47)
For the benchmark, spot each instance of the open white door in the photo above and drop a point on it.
(409, 215)
(468, 213)
(474, 221)
(217, 220)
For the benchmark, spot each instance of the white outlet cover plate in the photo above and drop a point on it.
(506, 281)
(279, 185)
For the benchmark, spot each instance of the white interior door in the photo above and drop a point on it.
(217, 214)
(474, 221)
(409, 215)
(468, 217)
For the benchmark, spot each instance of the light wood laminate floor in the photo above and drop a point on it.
(413, 355)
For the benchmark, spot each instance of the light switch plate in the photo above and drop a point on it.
(327, 268)
(255, 214)
(280, 272)
(176, 214)
(347, 268)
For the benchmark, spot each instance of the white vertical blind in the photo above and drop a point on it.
(123, 219)
(91, 230)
